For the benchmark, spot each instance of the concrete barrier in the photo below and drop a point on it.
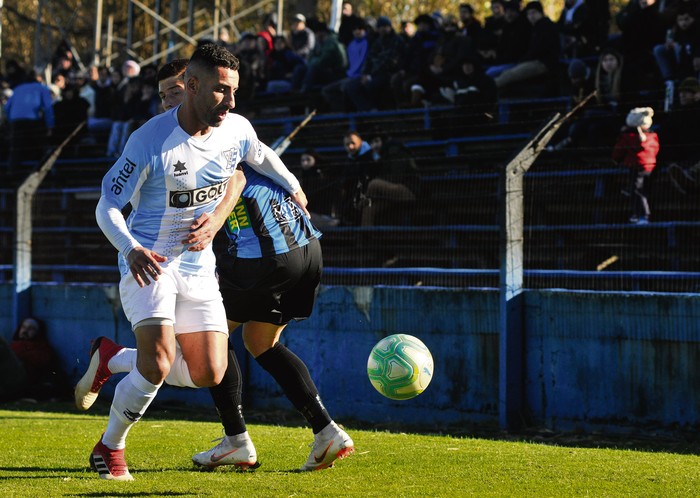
(594, 361)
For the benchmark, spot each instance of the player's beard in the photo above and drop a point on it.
(216, 116)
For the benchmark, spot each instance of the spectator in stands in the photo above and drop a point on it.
(371, 89)
(407, 31)
(58, 83)
(282, 63)
(471, 27)
(445, 63)
(302, 38)
(44, 378)
(578, 26)
(493, 29)
(326, 63)
(63, 61)
(641, 30)
(348, 21)
(679, 132)
(582, 84)
(543, 53)
(355, 177)
(145, 103)
(86, 91)
(69, 112)
(474, 95)
(392, 182)
(334, 93)
(598, 124)
(224, 38)
(266, 36)
(14, 73)
(320, 186)
(510, 43)
(102, 85)
(636, 149)
(674, 57)
(12, 374)
(31, 120)
(415, 62)
(254, 65)
(121, 117)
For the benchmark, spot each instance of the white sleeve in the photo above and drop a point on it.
(112, 223)
(264, 160)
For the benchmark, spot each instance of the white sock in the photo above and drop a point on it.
(123, 361)
(131, 399)
(179, 372)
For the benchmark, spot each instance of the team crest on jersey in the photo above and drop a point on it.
(179, 169)
(231, 156)
(286, 211)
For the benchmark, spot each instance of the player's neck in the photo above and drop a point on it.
(191, 124)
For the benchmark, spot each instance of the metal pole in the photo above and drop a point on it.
(129, 25)
(156, 29)
(336, 15)
(38, 56)
(23, 234)
(1, 18)
(110, 34)
(190, 17)
(217, 14)
(98, 34)
(280, 18)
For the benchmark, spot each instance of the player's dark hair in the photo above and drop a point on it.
(211, 56)
(173, 68)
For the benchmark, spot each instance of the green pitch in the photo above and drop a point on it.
(45, 453)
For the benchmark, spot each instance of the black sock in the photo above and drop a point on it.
(294, 379)
(227, 397)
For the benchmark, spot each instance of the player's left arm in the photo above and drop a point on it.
(205, 228)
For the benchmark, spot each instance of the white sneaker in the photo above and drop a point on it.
(331, 444)
(239, 452)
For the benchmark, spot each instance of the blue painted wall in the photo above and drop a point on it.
(593, 361)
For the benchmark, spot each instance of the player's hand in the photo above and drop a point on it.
(144, 266)
(300, 200)
(203, 231)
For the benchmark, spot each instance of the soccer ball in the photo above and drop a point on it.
(400, 366)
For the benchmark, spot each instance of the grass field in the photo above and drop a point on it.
(44, 452)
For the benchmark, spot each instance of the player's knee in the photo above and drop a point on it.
(208, 375)
(155, 369)
(257, 344)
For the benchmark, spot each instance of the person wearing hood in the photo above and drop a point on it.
(636, 149)
(356, 176)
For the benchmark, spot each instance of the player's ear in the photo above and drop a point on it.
(192, 84)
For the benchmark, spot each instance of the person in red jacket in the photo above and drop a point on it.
(44, 379)
(636, 149)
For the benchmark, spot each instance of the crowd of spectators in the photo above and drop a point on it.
(647, 54)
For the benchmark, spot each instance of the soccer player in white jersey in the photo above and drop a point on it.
(236, 447)
(174, 169)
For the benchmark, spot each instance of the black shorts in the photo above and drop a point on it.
(275, 289)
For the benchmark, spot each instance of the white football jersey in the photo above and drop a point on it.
(171, 178)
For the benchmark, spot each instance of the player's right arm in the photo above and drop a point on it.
(119, 186)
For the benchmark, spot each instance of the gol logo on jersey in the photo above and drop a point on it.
(196, 197)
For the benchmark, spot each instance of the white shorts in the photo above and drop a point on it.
(193, 303)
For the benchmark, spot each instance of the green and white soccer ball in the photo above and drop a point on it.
(400, 366)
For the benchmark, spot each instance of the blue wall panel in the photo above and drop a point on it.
(593, 361)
